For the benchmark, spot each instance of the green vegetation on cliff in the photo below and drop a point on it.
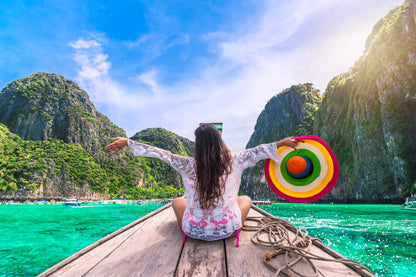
(367, 116)
(164, 139)
(289, 113)
(373, 107)
(34, 168)
(60, 142)
(28, 164)
(164, 176)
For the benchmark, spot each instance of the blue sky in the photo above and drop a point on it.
(173, 64)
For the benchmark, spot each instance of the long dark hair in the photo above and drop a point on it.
(213, 164)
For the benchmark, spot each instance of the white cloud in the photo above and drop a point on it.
(93, 73)
(118, 101)
(93, 63)
(149, 78)
(138, 42)
(291, 44)
(156, 44)
(92, 66)
(84, 44)
(306, 41)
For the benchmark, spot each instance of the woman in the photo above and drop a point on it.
(211, 208)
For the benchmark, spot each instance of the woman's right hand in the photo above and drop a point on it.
(289, 142)
(118, 144)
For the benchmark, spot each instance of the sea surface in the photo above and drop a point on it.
(36, 237)
(380, 237)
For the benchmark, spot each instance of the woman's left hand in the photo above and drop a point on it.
(118, 144)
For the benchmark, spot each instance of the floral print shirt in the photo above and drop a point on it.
(223, 219)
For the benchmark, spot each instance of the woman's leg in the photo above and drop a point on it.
(244, 203)
(179, 205)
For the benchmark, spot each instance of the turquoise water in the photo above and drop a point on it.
(381, 237)
(35, 237)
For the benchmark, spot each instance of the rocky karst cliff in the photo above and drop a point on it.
(159, 137)
(44, 105)
(367, 116)
(289, 113)
(373, 110)
(54, 119)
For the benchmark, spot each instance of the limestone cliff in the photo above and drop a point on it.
(44, 105)
(372, 109)
(367, 116)
(289, 113)
(159, 137)
(58, 149)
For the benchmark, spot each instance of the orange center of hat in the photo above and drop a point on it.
(296, 165)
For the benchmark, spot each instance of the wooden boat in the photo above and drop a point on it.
(262, 202)
(410, 203)
(71, 203)
(410, 207)
(152, 246)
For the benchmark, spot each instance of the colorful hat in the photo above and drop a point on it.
(303, 176)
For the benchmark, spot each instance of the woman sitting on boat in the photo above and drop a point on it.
(211, 208)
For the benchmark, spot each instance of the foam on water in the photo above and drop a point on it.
(381, 237)
(35, 237)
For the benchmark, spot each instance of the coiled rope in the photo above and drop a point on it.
(272, 232)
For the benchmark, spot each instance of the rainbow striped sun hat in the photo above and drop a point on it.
(303, 176)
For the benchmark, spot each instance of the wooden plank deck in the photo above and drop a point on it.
(152, 246)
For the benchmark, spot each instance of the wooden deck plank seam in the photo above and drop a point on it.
(179, 259)
(225, 256)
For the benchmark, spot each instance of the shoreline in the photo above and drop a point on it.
(4, 200)
(62, 200)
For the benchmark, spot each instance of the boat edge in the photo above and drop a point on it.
(90, 247)
(317, 243)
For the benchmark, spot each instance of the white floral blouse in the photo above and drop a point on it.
(225, 218)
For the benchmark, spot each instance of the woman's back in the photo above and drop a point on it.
(211, 208)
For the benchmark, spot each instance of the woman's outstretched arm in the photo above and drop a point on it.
(179, 163)
(249, 157)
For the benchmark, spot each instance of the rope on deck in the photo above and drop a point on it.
(271, 231)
